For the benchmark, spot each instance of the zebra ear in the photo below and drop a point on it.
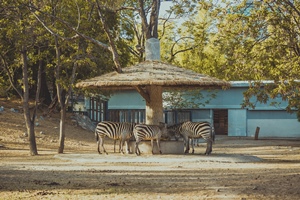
(162, 124)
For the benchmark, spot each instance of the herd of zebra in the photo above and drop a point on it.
(124, 132)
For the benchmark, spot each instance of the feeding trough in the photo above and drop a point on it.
(166, 146)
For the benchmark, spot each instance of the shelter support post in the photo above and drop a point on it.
(143, 93)
(154, 108)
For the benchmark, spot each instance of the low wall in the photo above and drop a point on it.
(167, 147)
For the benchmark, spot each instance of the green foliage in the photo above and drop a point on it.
(36, 24)
(187, 99)
(243, 40)
(259, 41)
(232, 40)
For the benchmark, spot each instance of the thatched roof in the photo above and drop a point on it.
(152, 73)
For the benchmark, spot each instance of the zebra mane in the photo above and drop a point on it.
(175, 125)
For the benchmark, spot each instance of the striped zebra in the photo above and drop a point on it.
(149, 132)
(197, 141)
(192, 130)
(115, 130)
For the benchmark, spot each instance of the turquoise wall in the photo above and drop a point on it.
(226, 99)
(273, 121)
(237, 121)
(233, 98)
(130, 99)
(273, 124)
(202, 115)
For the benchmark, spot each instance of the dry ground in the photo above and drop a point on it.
(239, 168)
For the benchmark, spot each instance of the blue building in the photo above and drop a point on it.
(224, 112)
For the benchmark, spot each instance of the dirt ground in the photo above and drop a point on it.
(239, 168)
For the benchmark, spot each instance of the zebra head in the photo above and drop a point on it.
(164, 131)
(174, 130)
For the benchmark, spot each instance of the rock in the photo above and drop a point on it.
(14, 110)
(83, 121)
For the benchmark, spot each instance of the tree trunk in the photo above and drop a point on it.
(154, 108)
(61, 147)
(30, 130)
(28, 121)
(45, 93)
(32, 141)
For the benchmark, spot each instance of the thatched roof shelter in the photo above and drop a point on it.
(152, 73)
(149, 78)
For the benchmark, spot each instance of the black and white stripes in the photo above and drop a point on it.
(124, 131)
(149, 132)
(191, 130)
(115, 130)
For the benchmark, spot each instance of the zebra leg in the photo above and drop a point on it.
(127, 146)
(102, 145)
(158, 145)
(98, 144)
(193, 144)
(137, 150)
(115, 146)
(152, 146)
(187, 143)
(122, 141)
(208, 147)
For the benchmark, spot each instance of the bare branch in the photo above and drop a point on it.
(144, 19)
(79, 15)
(101, 44)
(292, 6)
(113, 48)
(182, 50)
(164, 23)
(153, 25)
(48, 28)
(5, 66)
(127, 8)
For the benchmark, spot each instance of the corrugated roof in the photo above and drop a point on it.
(152, 73)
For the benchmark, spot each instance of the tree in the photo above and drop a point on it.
(21, 51)
(70, 57)
(259, 40)
(67, 27)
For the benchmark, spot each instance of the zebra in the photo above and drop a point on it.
(149, 132)
(192, 130)
(122, 131)
(197, 140)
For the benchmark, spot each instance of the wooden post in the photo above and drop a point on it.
(256, 133)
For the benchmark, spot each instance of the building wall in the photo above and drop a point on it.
(202, 115)
(130, 99)
(273, 124)
(273, 121)
(237, 122)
